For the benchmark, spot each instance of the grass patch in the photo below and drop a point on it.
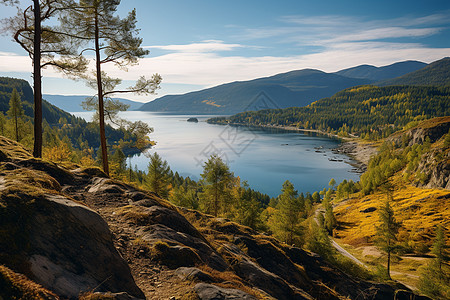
(17, 286)
(12, 150)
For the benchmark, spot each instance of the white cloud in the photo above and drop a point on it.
(210, 69)
(323, 30)
(11, 62)
(385, 33)
(204, 46)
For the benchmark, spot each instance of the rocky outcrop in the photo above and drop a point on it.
(433, 129)
(434, 165)
(57, 242)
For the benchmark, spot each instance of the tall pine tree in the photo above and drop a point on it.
(387, 232)
(285, 222)
(157, 179)
(217, 180)
(94, 23)
(15, 112)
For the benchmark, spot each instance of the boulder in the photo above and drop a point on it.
(207, 291)
(192, 274)
(64, 246)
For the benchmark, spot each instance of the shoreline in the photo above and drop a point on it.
(354, 147)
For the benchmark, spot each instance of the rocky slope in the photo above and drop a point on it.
(435, 163)
(74, 230)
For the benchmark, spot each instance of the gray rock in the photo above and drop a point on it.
(192, 274)
(266, 281)
(104, 185)
(71, 250)
(207, 291)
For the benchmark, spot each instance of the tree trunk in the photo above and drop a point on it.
(101, 112)
(17, 127)
(389, 265)
(37, 150)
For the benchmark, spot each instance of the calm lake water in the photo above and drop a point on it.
(265, 158)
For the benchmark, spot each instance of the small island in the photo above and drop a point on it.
(195, 120)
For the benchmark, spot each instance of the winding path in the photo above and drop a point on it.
(354, 259)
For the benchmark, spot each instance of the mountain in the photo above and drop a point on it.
(73, 103)
(295, 88)
(383, 73)
(436, 73)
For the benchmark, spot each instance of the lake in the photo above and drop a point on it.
(265, 158)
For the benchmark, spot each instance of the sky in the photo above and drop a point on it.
(195, 44)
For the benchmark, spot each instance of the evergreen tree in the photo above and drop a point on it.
(439, 249)
(157, 179)
(387, 232)
(47, 47)
(332, 183)
(318, 241)
(185, 197)
(15, 112)
(2, 123)
(248, 210)
(329, 219)
(113, 40)
(316, 197)
(434, 278)
(285, 223)
(217, 180)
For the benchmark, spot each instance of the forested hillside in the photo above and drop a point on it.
(367, 111)
(58, 124)
(51, 113)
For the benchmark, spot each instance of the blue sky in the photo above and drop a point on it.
(201, 43)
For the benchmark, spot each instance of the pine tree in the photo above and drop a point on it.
(217, 180)
(157, 179)
(329, 219)
(248, 208)
(387, 232)
(285, 223)
(434, 280)
(439, 248)
(2, 123)
(332, 183)
(113, 40)
(47, 47)
(15, 112)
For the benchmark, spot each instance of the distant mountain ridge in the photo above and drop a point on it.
(295, 88)
(436, 74)
(72, 103)
(292, 89)
(383, 73)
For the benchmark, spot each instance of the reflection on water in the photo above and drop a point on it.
(265, 158)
